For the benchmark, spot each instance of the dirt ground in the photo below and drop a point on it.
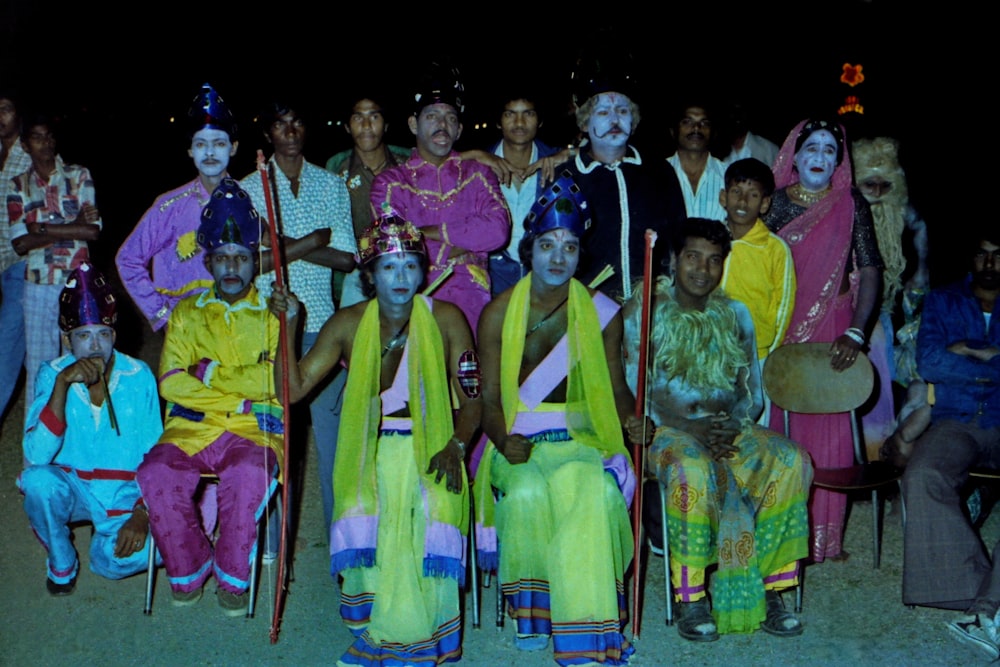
(852, 613)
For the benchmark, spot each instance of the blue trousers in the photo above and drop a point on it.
(53, 498)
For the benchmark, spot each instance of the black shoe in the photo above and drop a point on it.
(779, 622)
(59, 590)
(695, 622)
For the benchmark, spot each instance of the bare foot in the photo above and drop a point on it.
(841, 557)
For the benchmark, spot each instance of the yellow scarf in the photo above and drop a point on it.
(354, 481)
(591, 416)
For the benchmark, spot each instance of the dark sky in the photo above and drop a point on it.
(117, 77)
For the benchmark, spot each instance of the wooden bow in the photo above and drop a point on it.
(277, 254)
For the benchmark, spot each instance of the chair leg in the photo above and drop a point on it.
(798, 589)
(500, 604)
(252, 592)
(666, 556)
(473, 564)
(150, 575)
(876, 528)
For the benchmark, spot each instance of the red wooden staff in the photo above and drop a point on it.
(279, 279)
(639, 448)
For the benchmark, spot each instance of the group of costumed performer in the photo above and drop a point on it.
(828, 227)
(555, 481)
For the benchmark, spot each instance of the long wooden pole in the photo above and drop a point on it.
(277, 253)
(639, 448)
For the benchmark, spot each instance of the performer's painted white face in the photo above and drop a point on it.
(92, 341)
(232, 268)
(610, 123)
(211, 150)
(816, 160)
(555, 256)
(397, 277)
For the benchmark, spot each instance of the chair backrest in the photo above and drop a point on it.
(798, 378)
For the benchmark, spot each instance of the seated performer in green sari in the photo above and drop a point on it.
(554, 409)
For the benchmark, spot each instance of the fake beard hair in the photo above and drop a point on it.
(879, 157)
(701, 348)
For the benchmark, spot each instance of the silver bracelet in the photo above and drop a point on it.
(856, 334)
(461, 445)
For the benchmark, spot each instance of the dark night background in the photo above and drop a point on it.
(117, 77)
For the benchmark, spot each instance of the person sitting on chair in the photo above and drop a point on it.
(554, 409)
(223, 417)
(736, 492)
(958, 351)
(96, 413)
(401, 503)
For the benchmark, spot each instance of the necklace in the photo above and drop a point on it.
(807, 197)
(395, 340)
(546, 318)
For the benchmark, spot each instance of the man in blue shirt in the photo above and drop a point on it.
(958, 352)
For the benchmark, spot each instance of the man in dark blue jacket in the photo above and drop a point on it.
(958, 352)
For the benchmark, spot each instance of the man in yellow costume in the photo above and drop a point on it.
(223, 418)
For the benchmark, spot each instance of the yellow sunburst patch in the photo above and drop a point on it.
(187, 246)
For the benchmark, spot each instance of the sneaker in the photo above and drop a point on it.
(186, 598)
(695, 622)
(779, 622)
(233, 604)
(978, 631)
(60, 590)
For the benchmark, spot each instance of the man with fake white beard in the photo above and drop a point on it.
(958, 351)
(627, 195)
(96, 414)
(223, 417)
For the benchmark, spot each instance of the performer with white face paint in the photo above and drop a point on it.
(627, 195)
(400, 489)
(96, 414)
(223, 417)
(828, 226)
(554, 410)
(160, 262)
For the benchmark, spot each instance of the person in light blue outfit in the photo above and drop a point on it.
(94, 415)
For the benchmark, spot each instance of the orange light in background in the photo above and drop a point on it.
(852, 75)
(851, 105)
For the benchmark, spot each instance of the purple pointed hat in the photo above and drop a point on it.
(86, 299)
(561, 206)
(209, 110)
(229, 217)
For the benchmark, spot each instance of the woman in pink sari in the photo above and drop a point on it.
(828, 226)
